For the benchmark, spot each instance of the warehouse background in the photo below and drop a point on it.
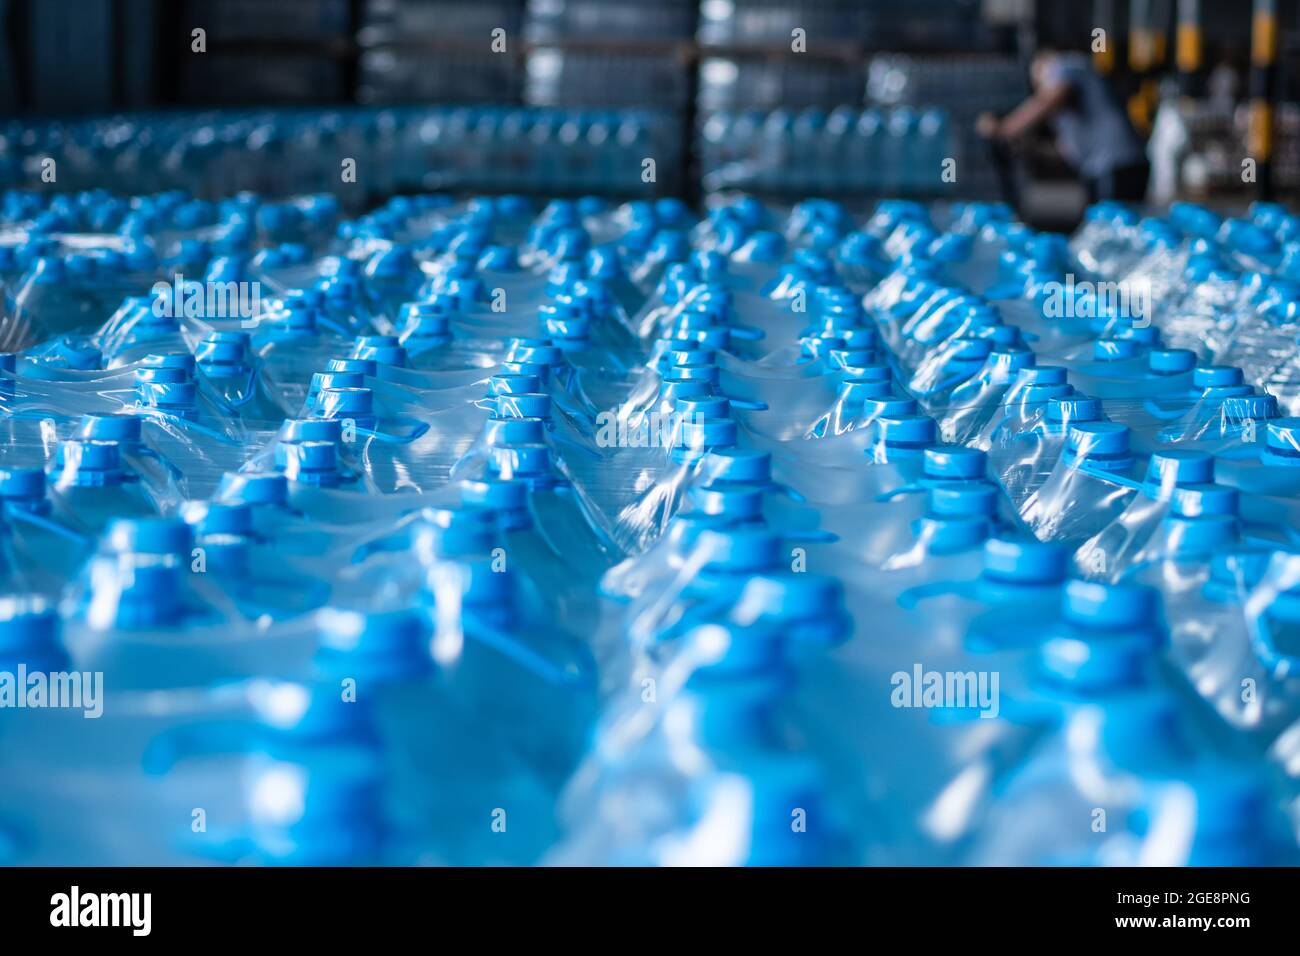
(763, 95)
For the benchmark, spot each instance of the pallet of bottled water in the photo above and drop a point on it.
(493, 531)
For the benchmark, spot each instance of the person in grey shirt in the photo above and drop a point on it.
(1092, 130)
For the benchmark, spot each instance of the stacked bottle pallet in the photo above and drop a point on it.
(479, 531)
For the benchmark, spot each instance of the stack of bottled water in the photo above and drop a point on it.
(452, 51)
(352, 153)
(967, 86)
(479, 530)
(607, 53)
(741, 81)
(234, 31)
(920, 24)
(844, 150)
(769, 21)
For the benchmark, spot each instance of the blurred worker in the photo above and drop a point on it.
(1092, 130)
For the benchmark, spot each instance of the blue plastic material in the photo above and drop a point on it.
(746, 534)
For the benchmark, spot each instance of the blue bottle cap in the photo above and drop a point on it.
(1031, 395)
(524, 405)
(1282, 437)
(1001, 337)
(175, 397)
(789, 596)
(90, 462)
(962, 499)
(570, 244)
(361, 366)
(452, 532)
(217, 519)
(1220, 393)
(1042, 375)
(1090, 666)
(737, 464)
(673, 388)
(1007, 362)
(1025, 560)
(1074, 409)
(311, 429)
(536, 351)
(704, 406)
(889, 407)
(222, 348)
(309, 462)
(174, 360)
(22, 484)
(855, 391)
(419, 323)
(1115, 350)
(29, 633)
(393, 262)
(1196, 538)
(693, 319)
(699, 436)
(525, 461)
(1171, 361)
(969, 349)
(864, 339)
(1111, 606)
(675, 353)
(385, 643)
(762, 246)
(1144, 335)
(736, 672)
(513, 206)
(157, 536)
(1245, 236)
(1240, 408)
(704, 373)
(380, 352)
(567, 332)
(323, 380)
(160, 376)
(740, 502)
(1210, 376)
(954, 462)
(342, 403)
(255, 488)
(498, 494)
(717, 339)
(542, 372)
(310, 712)
(560, 280)
(904, 431)
(340, 290)
(514, 431)
(110, 427)
(743, 550)
(1099, 442)
(711, 265)
(849, 358)
(1179, 467)
(873, 372)
(1204, 500)
(603, 262)
(481, 583)
(507, 383)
